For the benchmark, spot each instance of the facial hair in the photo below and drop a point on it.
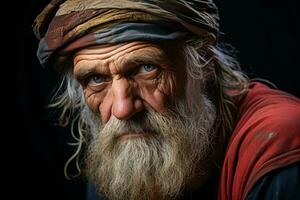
(157, 164)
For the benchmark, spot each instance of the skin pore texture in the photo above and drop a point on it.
(121, 80)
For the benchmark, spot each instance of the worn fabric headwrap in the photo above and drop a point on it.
(66, 26)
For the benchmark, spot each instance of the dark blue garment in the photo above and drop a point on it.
(280, 184)
(91, 193)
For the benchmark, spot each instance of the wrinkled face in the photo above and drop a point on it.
(122, 80)
(151, 140)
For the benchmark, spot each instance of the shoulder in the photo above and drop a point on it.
(266, 137)
(266, 115)
(264, 103)
(266, 118)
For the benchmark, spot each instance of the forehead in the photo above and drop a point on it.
(122, 55)
(114, 51)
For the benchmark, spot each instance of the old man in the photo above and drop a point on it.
(163, 112)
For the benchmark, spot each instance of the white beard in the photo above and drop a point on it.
(156, 166)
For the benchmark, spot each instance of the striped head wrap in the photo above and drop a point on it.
(68, 25)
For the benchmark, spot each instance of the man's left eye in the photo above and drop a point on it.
(147, 68)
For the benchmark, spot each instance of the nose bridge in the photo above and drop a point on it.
(123, 98)
(121, 88)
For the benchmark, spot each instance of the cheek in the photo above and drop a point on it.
(152, 97)
(93, 99)
(99, 102)
(160, 95)
(171, 84)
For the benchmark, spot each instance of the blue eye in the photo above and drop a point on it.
(95, 79)
(147, 68)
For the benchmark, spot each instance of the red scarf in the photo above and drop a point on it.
(266, 137)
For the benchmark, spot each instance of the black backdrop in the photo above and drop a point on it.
(263, 31)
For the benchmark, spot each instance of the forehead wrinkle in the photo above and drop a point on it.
(120, 57)
(107, 51)
(135, 57)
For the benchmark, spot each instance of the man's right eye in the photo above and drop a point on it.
(94, 80)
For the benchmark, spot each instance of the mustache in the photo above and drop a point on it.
(141, 123)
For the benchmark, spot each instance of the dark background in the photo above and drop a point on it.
(263, 31)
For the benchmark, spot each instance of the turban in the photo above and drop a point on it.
(68, 25)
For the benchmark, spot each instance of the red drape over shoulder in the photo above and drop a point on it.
(266, 137)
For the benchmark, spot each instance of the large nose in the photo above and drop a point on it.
(126, 103)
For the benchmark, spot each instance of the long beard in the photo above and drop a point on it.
(164, 160)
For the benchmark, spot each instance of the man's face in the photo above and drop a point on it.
(152, 139)
(122, 80)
